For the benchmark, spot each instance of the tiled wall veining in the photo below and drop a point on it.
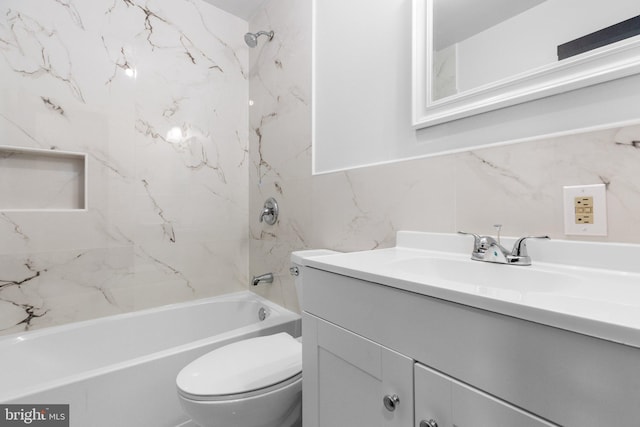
(280, 141)
(155, 93)
(519, 185)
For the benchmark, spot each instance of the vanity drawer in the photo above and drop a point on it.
(566, 378)
(451, 403)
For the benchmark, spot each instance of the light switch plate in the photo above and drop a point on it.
(572, 226)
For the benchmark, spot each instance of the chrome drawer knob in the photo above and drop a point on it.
(430, 423)
(391, 402)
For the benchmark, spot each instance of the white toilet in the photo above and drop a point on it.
(252, 383)
(256, 382)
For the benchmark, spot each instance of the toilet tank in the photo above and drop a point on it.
(297, 260)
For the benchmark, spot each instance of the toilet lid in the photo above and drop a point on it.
(243, 366)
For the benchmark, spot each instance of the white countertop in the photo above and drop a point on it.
(585, 287)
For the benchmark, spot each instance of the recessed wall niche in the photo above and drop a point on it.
(35, 179)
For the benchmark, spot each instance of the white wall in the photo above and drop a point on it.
(364, 117)
(361, 85)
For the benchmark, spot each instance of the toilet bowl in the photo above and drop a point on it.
(251, 383)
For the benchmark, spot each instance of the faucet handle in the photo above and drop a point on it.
(481, 243)
(269, 213)
(476, 239)
(520, 246)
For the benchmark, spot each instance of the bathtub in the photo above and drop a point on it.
(120, 370)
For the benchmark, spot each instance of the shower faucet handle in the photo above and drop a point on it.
(270, 211)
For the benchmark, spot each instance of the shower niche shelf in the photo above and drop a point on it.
(42, 180)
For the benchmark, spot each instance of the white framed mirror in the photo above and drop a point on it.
(471, 57)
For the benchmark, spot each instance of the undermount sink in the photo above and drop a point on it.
(586, 287)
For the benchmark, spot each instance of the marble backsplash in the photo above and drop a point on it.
(154, 93)
(519, 185)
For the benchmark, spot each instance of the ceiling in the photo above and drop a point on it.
(464, 17)
(244, 9)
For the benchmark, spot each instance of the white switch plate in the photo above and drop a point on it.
(599, 226)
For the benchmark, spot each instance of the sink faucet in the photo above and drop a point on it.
(488, 249)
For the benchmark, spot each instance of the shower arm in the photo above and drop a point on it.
(265, 33)
(251, 39)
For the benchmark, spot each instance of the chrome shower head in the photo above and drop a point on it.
(251, 39)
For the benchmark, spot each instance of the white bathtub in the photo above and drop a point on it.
(120, 370)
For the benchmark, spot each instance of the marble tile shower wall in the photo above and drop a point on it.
(154, 92)
(519, 186)
(280, 142)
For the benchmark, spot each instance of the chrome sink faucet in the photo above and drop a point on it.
(488, 249)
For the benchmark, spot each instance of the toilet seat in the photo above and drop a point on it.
(243, 369)
(221, 398)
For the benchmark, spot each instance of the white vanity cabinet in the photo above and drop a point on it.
(352, 381)
(452, 363)
(443, 401)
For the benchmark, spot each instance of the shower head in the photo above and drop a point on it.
(251, 39)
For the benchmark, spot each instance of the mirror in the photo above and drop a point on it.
(471, 57)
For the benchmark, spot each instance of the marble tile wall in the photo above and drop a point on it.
(154, 92)
(519, 186)
(280, 142)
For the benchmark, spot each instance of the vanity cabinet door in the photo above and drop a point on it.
(351, 381)
(449, 403)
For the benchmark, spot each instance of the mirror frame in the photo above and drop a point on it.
(600, 65)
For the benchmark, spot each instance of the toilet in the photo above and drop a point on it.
(256, 382)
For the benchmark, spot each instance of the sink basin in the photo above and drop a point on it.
(586, 287)
(478, 275)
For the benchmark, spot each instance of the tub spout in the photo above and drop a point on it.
(263, 278)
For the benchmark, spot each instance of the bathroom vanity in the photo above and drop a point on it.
(420, 335)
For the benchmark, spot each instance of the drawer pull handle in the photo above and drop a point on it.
(391, 402)
(430, 423)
